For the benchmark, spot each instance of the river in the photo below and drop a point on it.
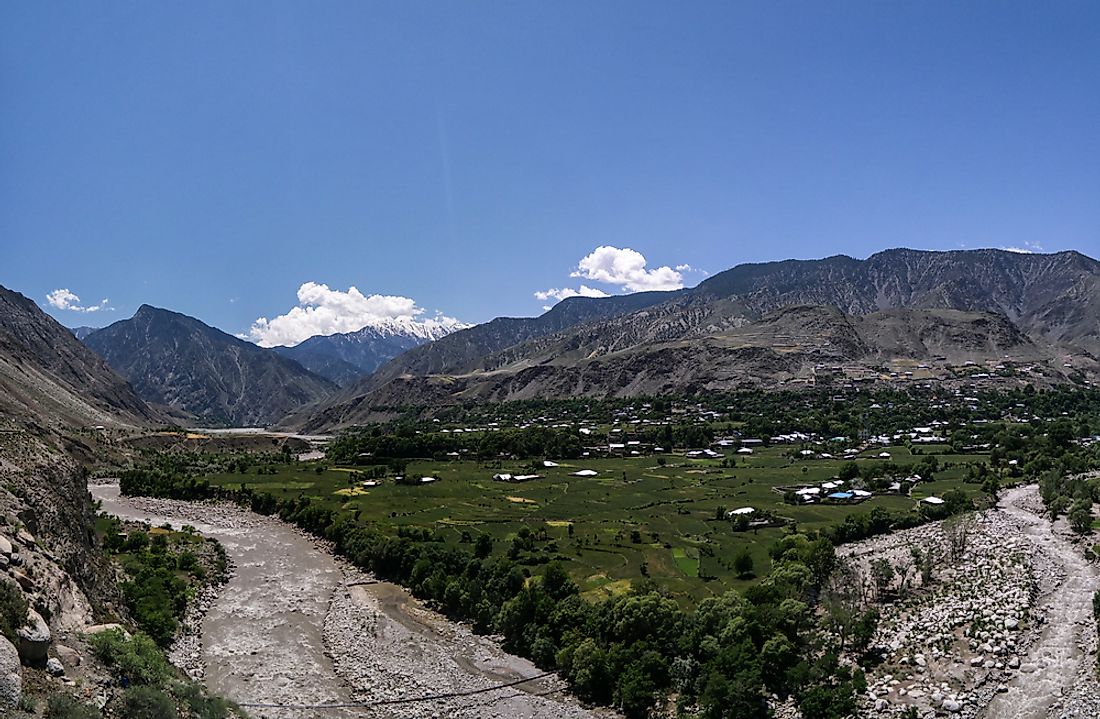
(297, 626)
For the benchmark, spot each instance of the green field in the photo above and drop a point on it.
(635, 516)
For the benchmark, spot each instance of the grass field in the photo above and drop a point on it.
(635, 517)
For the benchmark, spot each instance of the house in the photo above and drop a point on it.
(841, 496)
(548, 463)
(428, 480)
(932, 500)
(861, 493)
(744, 450)
(584, 473)
(370, 483)
(743, 511)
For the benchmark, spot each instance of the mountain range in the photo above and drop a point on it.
(759, 324)
(897, 315)
(345, 357)
(178, 361)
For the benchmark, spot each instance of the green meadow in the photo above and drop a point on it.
(637, 518)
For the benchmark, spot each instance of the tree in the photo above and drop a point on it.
(883, 573)
(1080, 516)
(484, 546)
(743, 563)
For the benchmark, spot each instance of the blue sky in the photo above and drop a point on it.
(215, 157)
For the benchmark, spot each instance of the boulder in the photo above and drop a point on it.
(11, 676)
(5, 546)
(34, 639)
(25, 538)
(68, 656)
(100, 628)
(54, 667)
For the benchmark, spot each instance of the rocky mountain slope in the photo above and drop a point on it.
(799, 344)
(46, 374)
(178, 361)
(57, 398)
(345, 357)
(1048, 305)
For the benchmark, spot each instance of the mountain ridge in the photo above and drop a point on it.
(1051, 299)
(179, 361)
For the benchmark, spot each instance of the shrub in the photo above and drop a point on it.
(137, 658)
(147, 703)
(13, 609)
(63, 706)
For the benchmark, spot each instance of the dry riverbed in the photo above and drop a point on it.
(295, 625)
(1003, 630)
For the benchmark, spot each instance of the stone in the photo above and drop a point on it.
(11, 675)
(54, 667)
(25, 538)
(5, 546)
(24, 581)
(34, 639)
(68, 656)
(100, 628)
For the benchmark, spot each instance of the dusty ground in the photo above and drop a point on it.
(288, 628)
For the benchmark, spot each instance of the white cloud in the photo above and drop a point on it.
(1029, 248)
(626, 268)
(324, 311)
(564, 292)
(65, 299)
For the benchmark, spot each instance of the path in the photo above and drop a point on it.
(1051, 666)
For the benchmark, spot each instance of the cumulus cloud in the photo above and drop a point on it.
(564, 292)
(325, 311)
(65, 299)
(626, 268)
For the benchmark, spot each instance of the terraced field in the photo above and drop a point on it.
(636, 518)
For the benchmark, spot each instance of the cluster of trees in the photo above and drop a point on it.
(375, 444)
(161, 578)
(1072, 496)
(880, 520)
(631, 651)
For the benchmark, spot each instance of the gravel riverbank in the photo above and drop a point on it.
(295, 624)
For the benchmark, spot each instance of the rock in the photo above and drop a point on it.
(25, 538)
(100, 628)
(952, 705)
(54, 667)
(24, 581)
(1011, 623)
(11, 675)
(68, 656)
(5, 546)
(34, 638)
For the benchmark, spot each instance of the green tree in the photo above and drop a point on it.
(743, 562)
(1080, 516)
